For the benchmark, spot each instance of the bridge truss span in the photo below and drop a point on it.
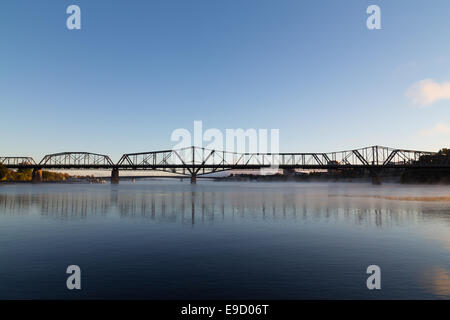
(197, 161)
(84, 160)
(185, 161)
(17, 161)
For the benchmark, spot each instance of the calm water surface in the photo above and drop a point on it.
(171, 240)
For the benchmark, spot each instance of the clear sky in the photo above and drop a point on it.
(137, 70)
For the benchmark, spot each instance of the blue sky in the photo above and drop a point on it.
(137, 70)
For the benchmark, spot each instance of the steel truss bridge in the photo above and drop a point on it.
(196, 161)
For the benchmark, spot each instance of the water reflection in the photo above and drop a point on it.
(225, 240)
(437, 280)
(200, 207)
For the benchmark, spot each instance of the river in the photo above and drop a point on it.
(166, 239)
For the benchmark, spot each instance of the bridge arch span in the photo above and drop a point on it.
(77, 159)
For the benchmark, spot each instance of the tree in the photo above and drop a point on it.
(23, 174)
(3, 171)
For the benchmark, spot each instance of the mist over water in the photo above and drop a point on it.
(164, 239)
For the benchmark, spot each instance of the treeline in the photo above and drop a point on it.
(26, 175)
(430, 176)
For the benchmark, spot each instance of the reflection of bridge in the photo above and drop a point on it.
(210, 205)
(195, 161)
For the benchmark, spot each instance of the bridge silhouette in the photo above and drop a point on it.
(195, 161)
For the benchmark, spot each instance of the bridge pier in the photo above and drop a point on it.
(115, 175)
(376, 176)
(36, 176)
(193, 179)
(289, 172)
(376, 180)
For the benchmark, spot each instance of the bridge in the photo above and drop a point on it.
(195, 161)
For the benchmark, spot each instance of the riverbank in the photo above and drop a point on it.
(26, 176)
(69, 181)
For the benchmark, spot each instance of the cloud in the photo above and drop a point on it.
(438, 129)
(427, 91)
